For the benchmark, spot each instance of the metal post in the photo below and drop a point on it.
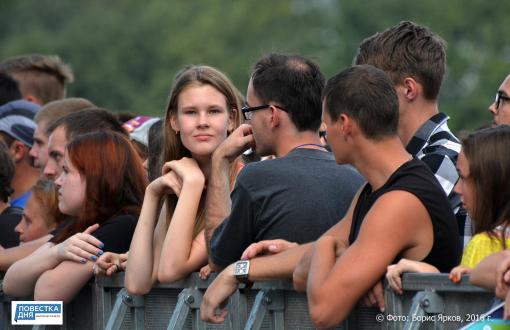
(189, 300)
(258, 312)
(238, 310)
(276, 304)
(424, 302)
(122, 303)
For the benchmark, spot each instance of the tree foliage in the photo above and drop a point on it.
(126, 53)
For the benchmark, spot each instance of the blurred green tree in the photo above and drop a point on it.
(126, 53)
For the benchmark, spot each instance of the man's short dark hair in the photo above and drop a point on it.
(9, 89)
(293, 81)
(367, 95)
(86, 121)
(6, 172)
(407, 50)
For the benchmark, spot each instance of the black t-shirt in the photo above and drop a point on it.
(297, 198)
(9, 219)
(416, 178)
(116, 233)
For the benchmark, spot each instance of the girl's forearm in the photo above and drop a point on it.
(22, 276)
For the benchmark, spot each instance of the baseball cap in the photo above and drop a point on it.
(17, 120)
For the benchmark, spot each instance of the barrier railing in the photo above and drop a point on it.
(430, 301)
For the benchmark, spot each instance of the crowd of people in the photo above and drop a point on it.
(332, 184)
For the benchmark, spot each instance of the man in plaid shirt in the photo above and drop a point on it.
(415, 59)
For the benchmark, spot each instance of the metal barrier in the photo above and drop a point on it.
(78, 315)
(430, 301)
(265, 300)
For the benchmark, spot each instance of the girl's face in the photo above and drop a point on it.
(202, 120)
(32, 224)
(465, 186)
(71, 189)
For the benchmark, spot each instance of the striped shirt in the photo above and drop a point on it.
(435, 145)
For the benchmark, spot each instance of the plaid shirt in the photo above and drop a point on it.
(435, 144)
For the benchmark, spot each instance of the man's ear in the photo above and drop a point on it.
(411, 88)
(275, 116)
(18, 151)
(33, 99)
(344, 123)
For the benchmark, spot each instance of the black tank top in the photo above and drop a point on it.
(416, 178)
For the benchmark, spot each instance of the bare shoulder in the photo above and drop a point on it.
(396, 214)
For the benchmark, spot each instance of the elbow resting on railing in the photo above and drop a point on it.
(324, 315)
(136, 289)
(171, 274)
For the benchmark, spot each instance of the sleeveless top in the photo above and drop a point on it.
(416, 178)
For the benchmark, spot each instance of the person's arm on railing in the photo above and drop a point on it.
(11, 255)
(218, 202)
(485, 273)
(271, 267)
(76, 252)
(398, 227)
(492, 273)
(394, 272)
(147, 242)
(182, 253)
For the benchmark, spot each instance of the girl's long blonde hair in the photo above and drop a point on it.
(197, 75)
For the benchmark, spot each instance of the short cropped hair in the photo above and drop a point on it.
(86, 121)
(60, 108)
(367, 95)
(407, 50)
(293, 81)
(44, 76)
(9, 89)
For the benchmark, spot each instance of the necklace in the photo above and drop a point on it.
(309, 145)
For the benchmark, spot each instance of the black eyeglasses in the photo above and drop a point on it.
(499, 98)
(248, 111)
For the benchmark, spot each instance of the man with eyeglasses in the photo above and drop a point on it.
(298, 195)
(500, 108)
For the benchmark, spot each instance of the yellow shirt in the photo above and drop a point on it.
(479, 247)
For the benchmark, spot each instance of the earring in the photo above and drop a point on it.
(176, 133)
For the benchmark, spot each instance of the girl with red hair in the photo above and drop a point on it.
(101, 190)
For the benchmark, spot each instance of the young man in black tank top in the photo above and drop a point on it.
(401, 212)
